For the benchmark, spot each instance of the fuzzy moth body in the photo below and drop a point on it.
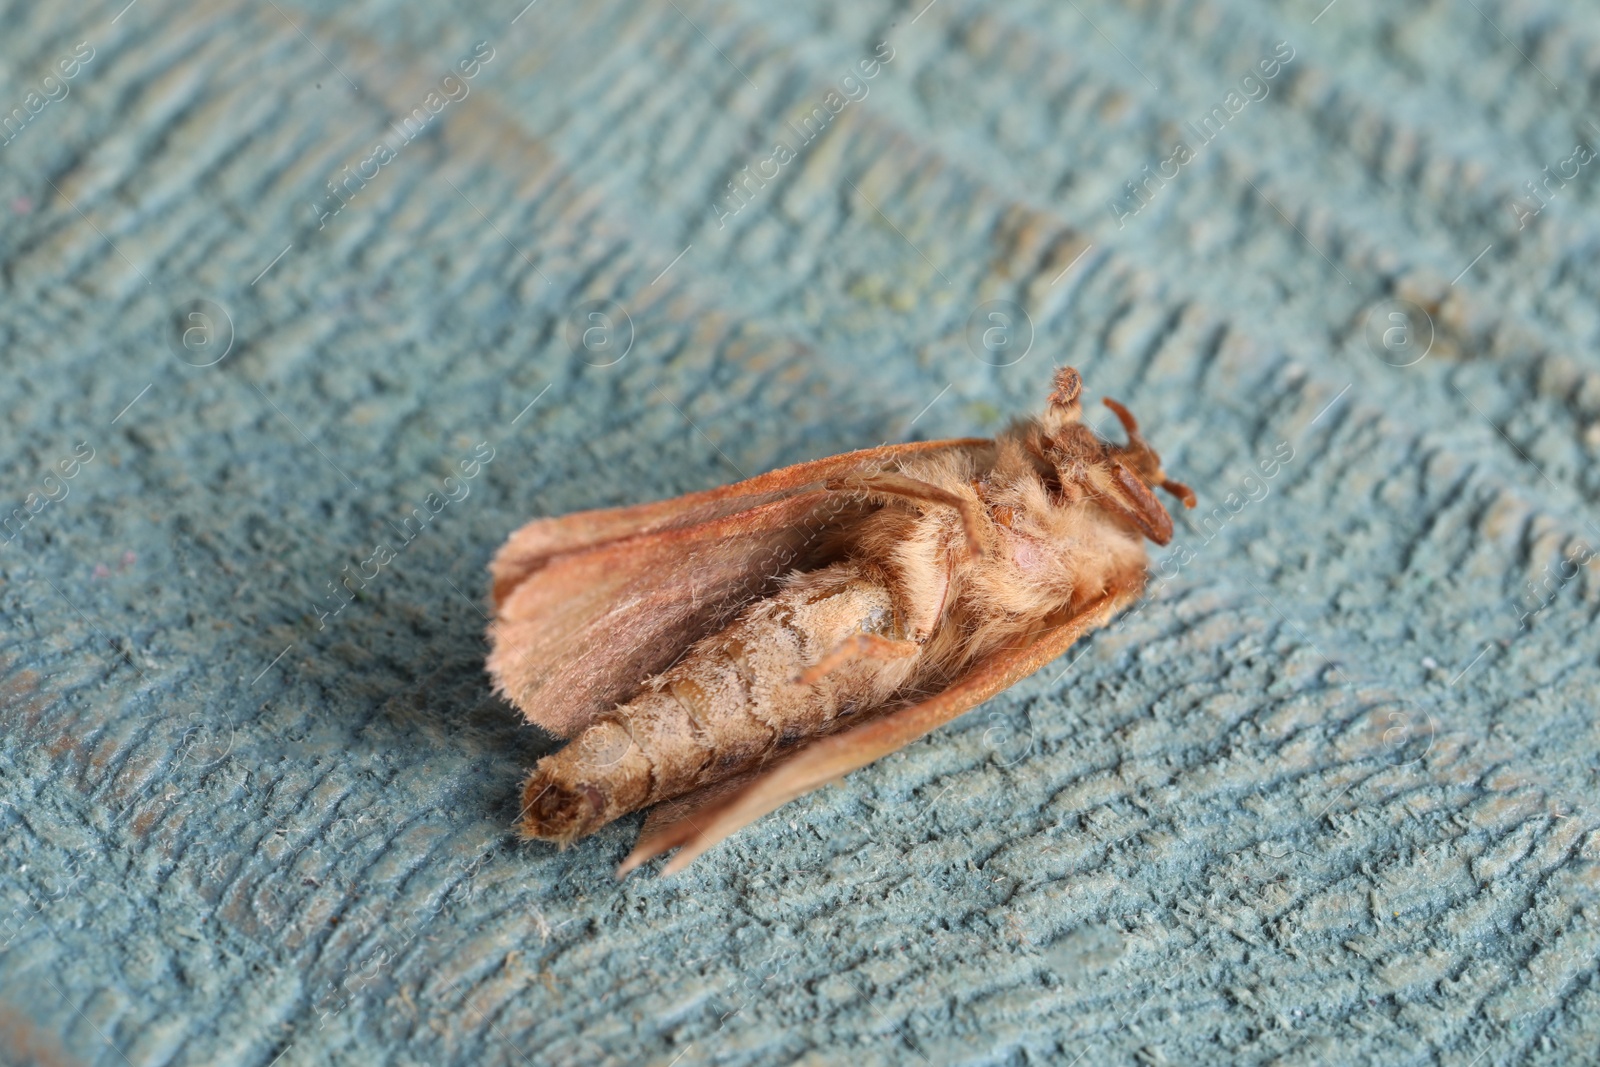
(734, 700)
(698, 651)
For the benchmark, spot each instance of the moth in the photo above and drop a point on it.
(719, 654)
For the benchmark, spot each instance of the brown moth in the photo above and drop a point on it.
(722, 653)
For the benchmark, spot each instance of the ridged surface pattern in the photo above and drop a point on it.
(1327, 797)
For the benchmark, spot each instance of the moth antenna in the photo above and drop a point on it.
(1130, 425)
(1179, 490)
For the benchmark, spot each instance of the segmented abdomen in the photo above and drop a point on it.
(732, 700)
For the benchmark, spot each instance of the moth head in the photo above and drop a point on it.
(1119, 477)
(1139, 457)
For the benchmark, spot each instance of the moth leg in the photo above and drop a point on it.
(1064, 397)
(889, 483)
(853, 648)
(1118, 490)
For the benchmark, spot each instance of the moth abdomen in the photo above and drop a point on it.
(731, 701)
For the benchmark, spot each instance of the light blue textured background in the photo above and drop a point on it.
(1329, 797)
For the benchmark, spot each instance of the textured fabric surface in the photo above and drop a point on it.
(277, 276)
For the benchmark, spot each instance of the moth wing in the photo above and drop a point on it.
(704, 823)
(541, 540)
(585, 624)
(581, 633)
(679, 816)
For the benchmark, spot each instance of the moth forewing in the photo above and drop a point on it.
(730, 650)
(565, 641)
